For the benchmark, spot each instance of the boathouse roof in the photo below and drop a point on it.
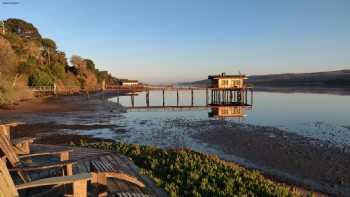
(129, 80)
(223, 76)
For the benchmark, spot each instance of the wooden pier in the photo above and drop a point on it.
(213, 96)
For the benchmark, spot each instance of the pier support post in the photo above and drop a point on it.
(133, 101)
(251, 97)
(206, 97)
(117, 91)
(177, 97)
(192, 97)
(147, 98)
(163, 97)
(239, 97)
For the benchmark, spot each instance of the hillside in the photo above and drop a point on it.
(28, 59)
(330, 79)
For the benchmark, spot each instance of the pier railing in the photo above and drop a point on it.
(42, 88)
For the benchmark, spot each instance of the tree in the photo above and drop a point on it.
(48, 43)
(78, 62)
(90, 64)
(58, 70)
(22, 28)
(7, 57)
(41, 78)
(24, 68)
(49, 47)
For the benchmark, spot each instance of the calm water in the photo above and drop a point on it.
(321, 116)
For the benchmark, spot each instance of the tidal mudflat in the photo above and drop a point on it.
(307, 145)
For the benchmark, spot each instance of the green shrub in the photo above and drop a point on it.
(58, 70)
(41, 78)
(10, 94)
(188, 173)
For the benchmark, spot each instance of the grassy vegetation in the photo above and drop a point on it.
(185, 172)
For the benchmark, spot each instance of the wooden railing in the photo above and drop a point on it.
(42, 88)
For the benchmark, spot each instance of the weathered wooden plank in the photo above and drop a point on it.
(42, 166)
(55, 181)
(8, 150)
(7, 187)
(80, 188)
(21, 145)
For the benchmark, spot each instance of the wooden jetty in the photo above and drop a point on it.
(213, 96)
(224, 90)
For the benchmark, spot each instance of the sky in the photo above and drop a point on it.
(167, 41)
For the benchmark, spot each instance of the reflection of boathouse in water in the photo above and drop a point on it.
(228, 111)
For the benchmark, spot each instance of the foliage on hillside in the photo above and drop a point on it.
(188, 173)
(28, 59)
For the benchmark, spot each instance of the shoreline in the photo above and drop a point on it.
(50, 132)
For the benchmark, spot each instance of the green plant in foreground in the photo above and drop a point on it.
(183, 172)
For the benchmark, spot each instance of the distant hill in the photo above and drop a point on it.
(330, 79)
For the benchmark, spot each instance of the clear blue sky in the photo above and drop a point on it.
(182, 40)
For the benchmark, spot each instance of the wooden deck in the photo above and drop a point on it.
(108, 164)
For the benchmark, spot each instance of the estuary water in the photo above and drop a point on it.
(324, 117)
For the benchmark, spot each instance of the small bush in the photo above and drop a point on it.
(9, 94)
(41, 78)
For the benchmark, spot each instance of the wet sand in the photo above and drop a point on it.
(312, 163)
(56, 104)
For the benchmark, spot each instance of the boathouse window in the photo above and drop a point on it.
(224, 82)
(235, 82)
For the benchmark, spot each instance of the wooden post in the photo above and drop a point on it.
(239, 96)
(54, 89)
(192, 97)
(132, 100)
(118, 96)
(163, 97)
(65, 156)
(246, 97)
(103, 85)
(215, 96)
(206, 97)
(147, 98)
(80, 188)
(177, 97)
(251, 96)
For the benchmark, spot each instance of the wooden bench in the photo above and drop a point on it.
(111, 166)
(17, 162)
(21, 144)
(112, 174)
(9, 189)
